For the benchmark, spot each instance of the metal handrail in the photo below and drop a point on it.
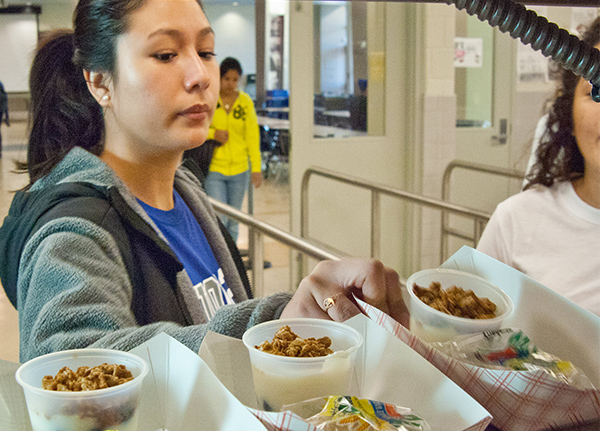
(257, 229)
(313, 248)
(377, 190)
(479, 224)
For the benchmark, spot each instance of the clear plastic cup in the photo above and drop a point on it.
(103, 409)
(432, 325)
(280, 380)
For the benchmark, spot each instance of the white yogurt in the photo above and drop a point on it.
(63, 422)
(275, 390)
(432, 333)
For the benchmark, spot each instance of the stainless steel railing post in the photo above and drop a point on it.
(479, 223)
(376, 190)
(257, 259)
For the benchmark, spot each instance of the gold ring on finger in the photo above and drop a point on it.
(328, 303)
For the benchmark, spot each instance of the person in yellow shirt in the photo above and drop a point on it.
(237, 160)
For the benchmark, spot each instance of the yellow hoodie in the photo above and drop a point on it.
(244, 138)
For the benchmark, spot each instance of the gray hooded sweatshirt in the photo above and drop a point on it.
(71, 284)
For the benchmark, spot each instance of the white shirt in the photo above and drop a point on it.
(553, 236)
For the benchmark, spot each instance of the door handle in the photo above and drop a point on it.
(502, 137)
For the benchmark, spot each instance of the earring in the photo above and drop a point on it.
(106, 98)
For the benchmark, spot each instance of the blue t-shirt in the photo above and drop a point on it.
(187, 240)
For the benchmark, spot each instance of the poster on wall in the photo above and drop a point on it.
(468, 52)
(275, 74)
(532, 66)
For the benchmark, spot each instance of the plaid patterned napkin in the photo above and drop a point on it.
(518, 400)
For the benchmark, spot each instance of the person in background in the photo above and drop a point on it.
(113, 241)
(235, 126)
(551, 231)
(3, 112)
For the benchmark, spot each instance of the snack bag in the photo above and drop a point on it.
(510, 348)
(354, 414)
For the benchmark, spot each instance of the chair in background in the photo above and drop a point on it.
(319, 108)
(274, 146)
(276, 104)
(337, 112)
(279, 161)
(358, 112)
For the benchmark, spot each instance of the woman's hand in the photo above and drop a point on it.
(369, 280)
(222, 136)
(256, 178)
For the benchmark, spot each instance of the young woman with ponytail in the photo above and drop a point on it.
(113, 240)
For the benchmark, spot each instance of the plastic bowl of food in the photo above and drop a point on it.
(432, 325)
(280, 380)
(112, 407)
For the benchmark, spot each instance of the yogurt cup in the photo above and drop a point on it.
(111, 408)
(432, 325)
(280, 380)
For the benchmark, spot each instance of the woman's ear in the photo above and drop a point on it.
(98, 86)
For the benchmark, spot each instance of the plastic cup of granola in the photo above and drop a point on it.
(114, 408)
(432, 325)
(280, 380)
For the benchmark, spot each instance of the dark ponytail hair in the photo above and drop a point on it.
(63, 113)
(558, 157)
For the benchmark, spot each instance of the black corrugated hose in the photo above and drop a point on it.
(564, 48)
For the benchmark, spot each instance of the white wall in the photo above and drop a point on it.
(437, 144)
(57, 14)
(235, 33)
(18, 33)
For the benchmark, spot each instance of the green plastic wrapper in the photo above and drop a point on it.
(346, 413)
(510, 348)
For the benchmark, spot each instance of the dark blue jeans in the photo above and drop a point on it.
(229, 189)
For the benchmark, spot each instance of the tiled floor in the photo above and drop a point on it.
(13, 146)
(271, 205)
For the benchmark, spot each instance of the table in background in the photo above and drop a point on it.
(280, 112)
(319, 130)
